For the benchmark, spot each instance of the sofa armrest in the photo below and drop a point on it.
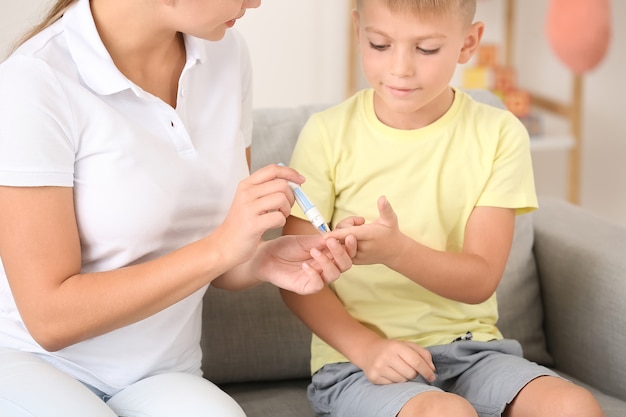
(582, 268)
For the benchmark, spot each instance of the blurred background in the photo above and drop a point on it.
(302, 53)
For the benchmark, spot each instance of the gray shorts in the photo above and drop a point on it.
(487, 374)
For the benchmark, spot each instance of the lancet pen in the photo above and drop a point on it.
(309, 209)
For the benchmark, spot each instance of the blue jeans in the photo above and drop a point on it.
(31, 387)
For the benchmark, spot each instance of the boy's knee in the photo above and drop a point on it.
(554, 396)
(437, 404)
(577, 402)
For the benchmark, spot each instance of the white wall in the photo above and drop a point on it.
(16, 18)
(299, 51)
(298, 48)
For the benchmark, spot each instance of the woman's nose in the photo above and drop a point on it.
(251, 4)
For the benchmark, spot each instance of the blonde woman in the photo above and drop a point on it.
(125, 191)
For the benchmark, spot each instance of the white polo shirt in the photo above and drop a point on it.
(147, 178)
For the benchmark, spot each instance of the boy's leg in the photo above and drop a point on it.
(174, 394)
(343, 390)
(29, 387)
(497, 380)
(437, 404)
(549, 396)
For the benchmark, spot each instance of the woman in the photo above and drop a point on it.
(125, 191)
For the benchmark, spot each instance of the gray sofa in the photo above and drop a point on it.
(563, 296)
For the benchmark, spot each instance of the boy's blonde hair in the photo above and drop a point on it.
(465, 8)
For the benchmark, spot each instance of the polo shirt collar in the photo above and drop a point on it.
(196, 51)
(94, 63)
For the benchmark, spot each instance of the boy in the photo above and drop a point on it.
(410, 329)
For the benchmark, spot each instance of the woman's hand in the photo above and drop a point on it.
(304, 263)
(262, 202)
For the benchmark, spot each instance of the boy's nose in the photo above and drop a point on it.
(402, 64)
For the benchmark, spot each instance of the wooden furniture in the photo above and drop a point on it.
(571, 111)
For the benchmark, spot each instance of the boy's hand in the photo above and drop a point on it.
(391, 361)
(350, 222)
(380, 242)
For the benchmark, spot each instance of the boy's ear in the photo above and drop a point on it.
(356, 24)
(471, 42)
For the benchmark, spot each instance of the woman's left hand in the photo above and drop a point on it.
(303, 264)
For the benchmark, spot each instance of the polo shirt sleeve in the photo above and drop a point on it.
(36, 147)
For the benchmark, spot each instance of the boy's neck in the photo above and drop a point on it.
(422, 117)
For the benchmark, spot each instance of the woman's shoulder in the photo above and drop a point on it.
(22, 74)
(36, 58)
(42, 43)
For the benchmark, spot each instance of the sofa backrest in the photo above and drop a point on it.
(252, 336)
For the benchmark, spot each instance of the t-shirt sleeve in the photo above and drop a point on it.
(511, 183)
(35, 124)
(312, 158)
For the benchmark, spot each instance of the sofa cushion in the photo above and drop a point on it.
(274, 135)
(519, 295)
(275, 131)
(276, 344)
(252, 336)
(272, 399)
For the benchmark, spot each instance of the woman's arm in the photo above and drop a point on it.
(41, 254)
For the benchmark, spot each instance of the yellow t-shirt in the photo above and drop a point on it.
(433, 177)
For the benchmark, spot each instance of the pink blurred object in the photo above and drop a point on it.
(579, 32)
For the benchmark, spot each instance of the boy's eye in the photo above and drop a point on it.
(423, 51)
(428, 51)
(378, 47)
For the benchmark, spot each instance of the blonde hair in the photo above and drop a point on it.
(54, 14)
(465, 8)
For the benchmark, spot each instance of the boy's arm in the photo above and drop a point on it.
(382, 360)
(322, 312)
(473, 275)
(470, 276)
